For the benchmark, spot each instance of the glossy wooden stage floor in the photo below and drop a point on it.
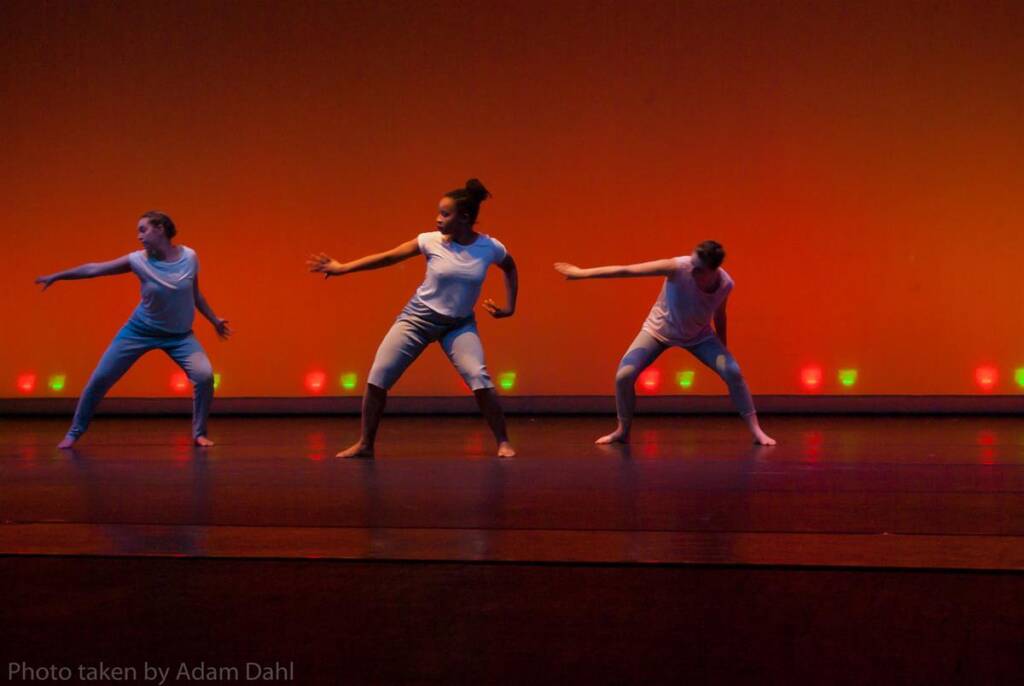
(890, 492)
(859, 550)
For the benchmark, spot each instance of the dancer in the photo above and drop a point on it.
(695, 291)
(440, 310)
(169, 276)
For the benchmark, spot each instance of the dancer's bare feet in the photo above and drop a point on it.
(356, 450)
(66, 443)
(617, 436)
(505, 449)
(203, 442)
(761, 438)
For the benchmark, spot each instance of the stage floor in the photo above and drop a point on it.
(859, 492)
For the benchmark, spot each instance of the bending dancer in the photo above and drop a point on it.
(169, 275)
(441, 310)
(695, 291)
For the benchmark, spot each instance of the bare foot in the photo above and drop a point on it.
(505, 449)
(617, 436)
(356, 450)
(66, 443)
(203, 442)
(761, 438)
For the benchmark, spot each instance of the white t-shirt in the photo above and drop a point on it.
(168, 298)
(682, 314)
(455, 272)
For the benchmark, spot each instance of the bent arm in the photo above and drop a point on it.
(508, 265)
(89, 270)
(201, 304)
(653, 268)
(721, 324)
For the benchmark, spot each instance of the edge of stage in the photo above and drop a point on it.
(806, 404)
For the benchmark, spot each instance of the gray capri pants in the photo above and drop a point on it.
(645, 349)
(417, 327)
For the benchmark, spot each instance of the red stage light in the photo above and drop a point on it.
(811, 378)
(986, 377)
(315, 382)
(179, 382)
(26, 383)
(650, 380)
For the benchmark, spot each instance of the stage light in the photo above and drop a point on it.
(348, 380)
(216, 381)
(650, 380)
(848, 377)
(179, 382)
(685, 378)
(986, 377)
(315, 382)
(57, 382)
(507, 380)
(811, 378)
(1019, 376)
(26, 382)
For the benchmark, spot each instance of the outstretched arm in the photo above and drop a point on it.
(329, 267)
(89, 270)
(221, 325)
(721, 323)
(507, 265)
(654, 268)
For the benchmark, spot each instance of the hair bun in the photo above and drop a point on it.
(476, 190)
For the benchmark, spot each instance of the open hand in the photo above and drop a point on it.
(223, 330)
(323, 263)
(569, 271)
(495, 311)
(45, 281)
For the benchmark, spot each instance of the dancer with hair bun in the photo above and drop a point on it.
(695, 291)
(441, 310)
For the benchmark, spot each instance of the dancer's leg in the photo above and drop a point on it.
(120, 355)
(644, 350)
(401, 346)
(190, 356)
(466, 352)
(715, 355)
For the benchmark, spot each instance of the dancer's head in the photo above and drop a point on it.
(155, 228)
(459, 208)
(707, 258)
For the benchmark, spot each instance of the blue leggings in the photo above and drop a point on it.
(645, 349)
(131, 343)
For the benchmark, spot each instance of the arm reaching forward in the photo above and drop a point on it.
(329, 267)
(90, 270)
(653, 268)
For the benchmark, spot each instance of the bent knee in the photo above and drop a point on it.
(478, 379)
(626, 375)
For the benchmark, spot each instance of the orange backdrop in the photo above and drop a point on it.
(861, 163)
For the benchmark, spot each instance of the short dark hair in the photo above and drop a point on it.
(711, 254)
(162, 220)
(468, 198)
